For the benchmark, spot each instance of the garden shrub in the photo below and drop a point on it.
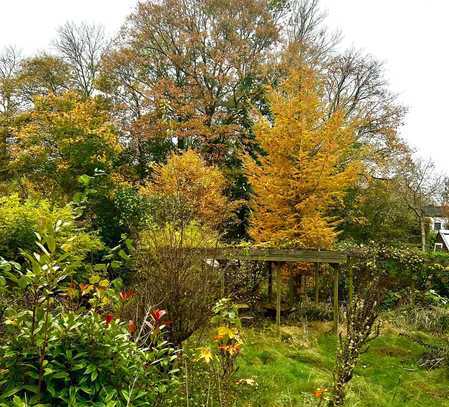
(64, 343)
(19, 220)
(170, 273)
(88, 361)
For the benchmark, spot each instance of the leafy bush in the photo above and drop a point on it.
(63, 344)
(87, 360)
(19, 220)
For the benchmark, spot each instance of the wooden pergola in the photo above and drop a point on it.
(277, 257)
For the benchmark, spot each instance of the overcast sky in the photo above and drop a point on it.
(410, 36)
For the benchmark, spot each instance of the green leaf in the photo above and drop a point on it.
(84, 180)
(9, 392)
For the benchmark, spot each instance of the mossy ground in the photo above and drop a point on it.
(289, 368)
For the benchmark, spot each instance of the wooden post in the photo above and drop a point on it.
(302, 287)
(278, 295)
(336, 303)
(350, 283)
(222, 281)
(317, 283)
(270, 281)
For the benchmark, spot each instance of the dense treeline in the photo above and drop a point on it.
(198, 75)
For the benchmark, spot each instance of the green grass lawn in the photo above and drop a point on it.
(289, 369)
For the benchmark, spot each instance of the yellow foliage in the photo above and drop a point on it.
(61, 138)
(225, 331)
(199, 186)
(307, 167)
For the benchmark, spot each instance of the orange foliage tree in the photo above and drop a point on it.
(198, 186)
(308, 165)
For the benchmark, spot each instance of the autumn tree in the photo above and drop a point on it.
(306, 168)
(305, 30)
(375, 210)
(197, 187)
(62, 138)
(355, 83)
(42, 75)
(194, 66)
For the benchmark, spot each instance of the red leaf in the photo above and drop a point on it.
(158, 314)
(132, 327)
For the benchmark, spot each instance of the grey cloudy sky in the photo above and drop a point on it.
(408, 35)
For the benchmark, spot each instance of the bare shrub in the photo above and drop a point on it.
(361, 328)
(173, 275)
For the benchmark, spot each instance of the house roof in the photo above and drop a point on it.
(444, 233)
(435, 211)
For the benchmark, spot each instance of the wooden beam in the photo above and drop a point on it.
(276, 255)
(350, 283)
(270, 281)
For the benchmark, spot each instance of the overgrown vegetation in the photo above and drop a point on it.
(203, 124)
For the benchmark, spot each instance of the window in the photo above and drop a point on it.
(437, 226)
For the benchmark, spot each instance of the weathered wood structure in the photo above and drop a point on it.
(276, 257)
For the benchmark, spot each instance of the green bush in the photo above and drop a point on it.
(87, 361)
(60, 349)
(19, 220)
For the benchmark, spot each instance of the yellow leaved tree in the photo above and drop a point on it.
(308, 164)
(198, 186)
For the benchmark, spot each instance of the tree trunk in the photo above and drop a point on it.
(423, 234)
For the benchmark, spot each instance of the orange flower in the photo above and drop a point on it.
(318, 393)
